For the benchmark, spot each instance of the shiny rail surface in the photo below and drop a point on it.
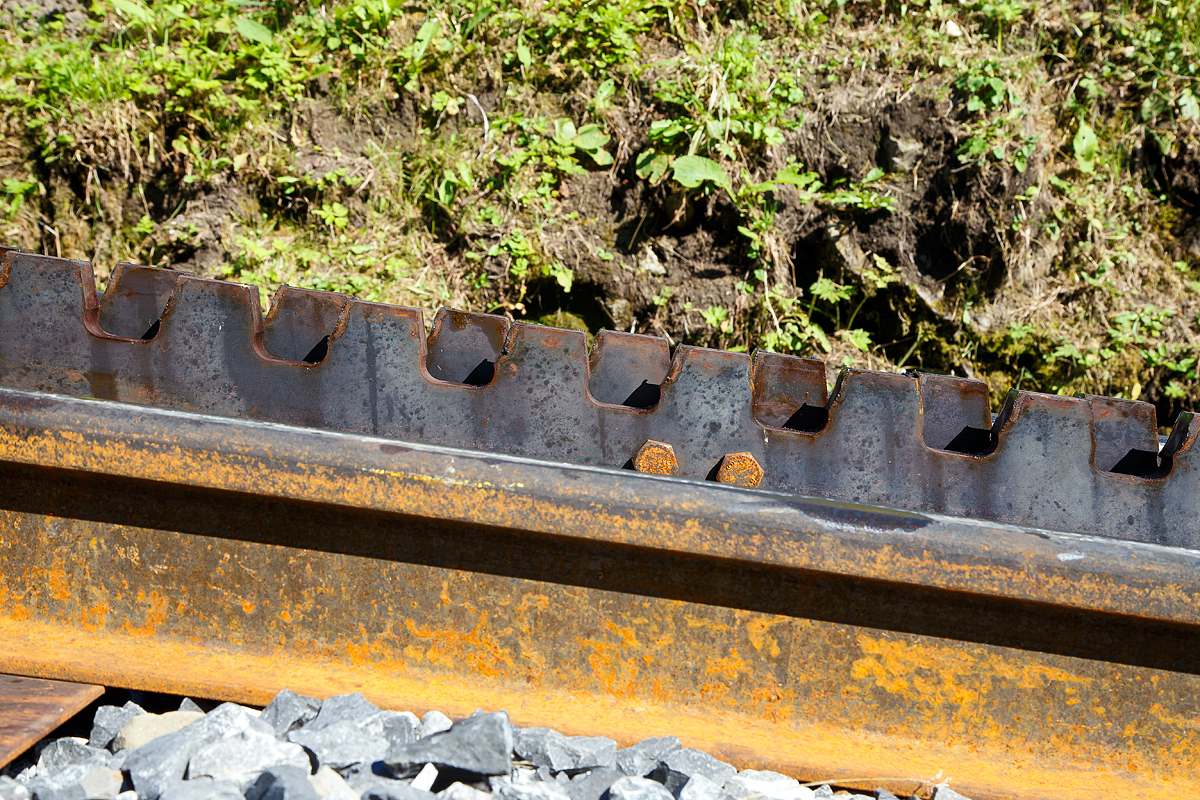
(222, 557)
(927, 443)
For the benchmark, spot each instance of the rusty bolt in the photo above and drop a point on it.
(656, 458)
(740, 469)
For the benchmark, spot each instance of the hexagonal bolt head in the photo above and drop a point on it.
(740, 469)
(656, 458)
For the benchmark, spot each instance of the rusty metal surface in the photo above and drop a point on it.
(231, 558)
(1088, 465)
(656, 458)
(31, 708)
(740, 469)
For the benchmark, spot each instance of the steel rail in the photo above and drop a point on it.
(230, 558)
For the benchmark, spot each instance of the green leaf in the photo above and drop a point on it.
(425, 34)
(604, 94)
(564, 131)
(875, 174)
(758, 188)
(1189, 108)
(523, 54)
(829, 291)
(590, 137)
(254, 31)
(133, 10)
(693, 171)
(561, 274)
(14, 186)
(1085, 145)
(666, 129)
(858, 338)
(651, 166)
(796, 178)
(1153, 106)
(483, 13)
(749, 234)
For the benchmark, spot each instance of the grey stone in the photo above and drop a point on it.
(594, 751)
(70, 750)
(398, 727)
(763, 783)
(102, 782)
(433, 722)
(425, 778)
(631, 788)
(62, 784)
(823, 790)
(353, 707)
(145, 728)
(289, 711)
(394, 790)
(109, 720)
(883, 794)
(77, 782)
(944, 792)
(544, 774)
(674, 770)
(189, 705)
(699, 787)
(341, 745)
(644, 756)
(242, 757)
(331, 786)
(593, 784)
(128, 794)
(157, 763)
(508, 723)
(543, 747)
(201, 789)
(285, 782)
(482, 744)
(549, 748)
(10, 789)
(460, 791)
(507, 789)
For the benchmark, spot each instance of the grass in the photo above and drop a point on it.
(436, 154)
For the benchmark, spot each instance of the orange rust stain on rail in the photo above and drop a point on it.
(809, 749)
(489, 504)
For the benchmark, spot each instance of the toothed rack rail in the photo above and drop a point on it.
(200, 500)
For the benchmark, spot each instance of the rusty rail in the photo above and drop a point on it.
(201, 554)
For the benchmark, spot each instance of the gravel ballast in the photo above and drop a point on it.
(346, 748)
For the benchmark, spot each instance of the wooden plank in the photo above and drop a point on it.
(30, 708)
